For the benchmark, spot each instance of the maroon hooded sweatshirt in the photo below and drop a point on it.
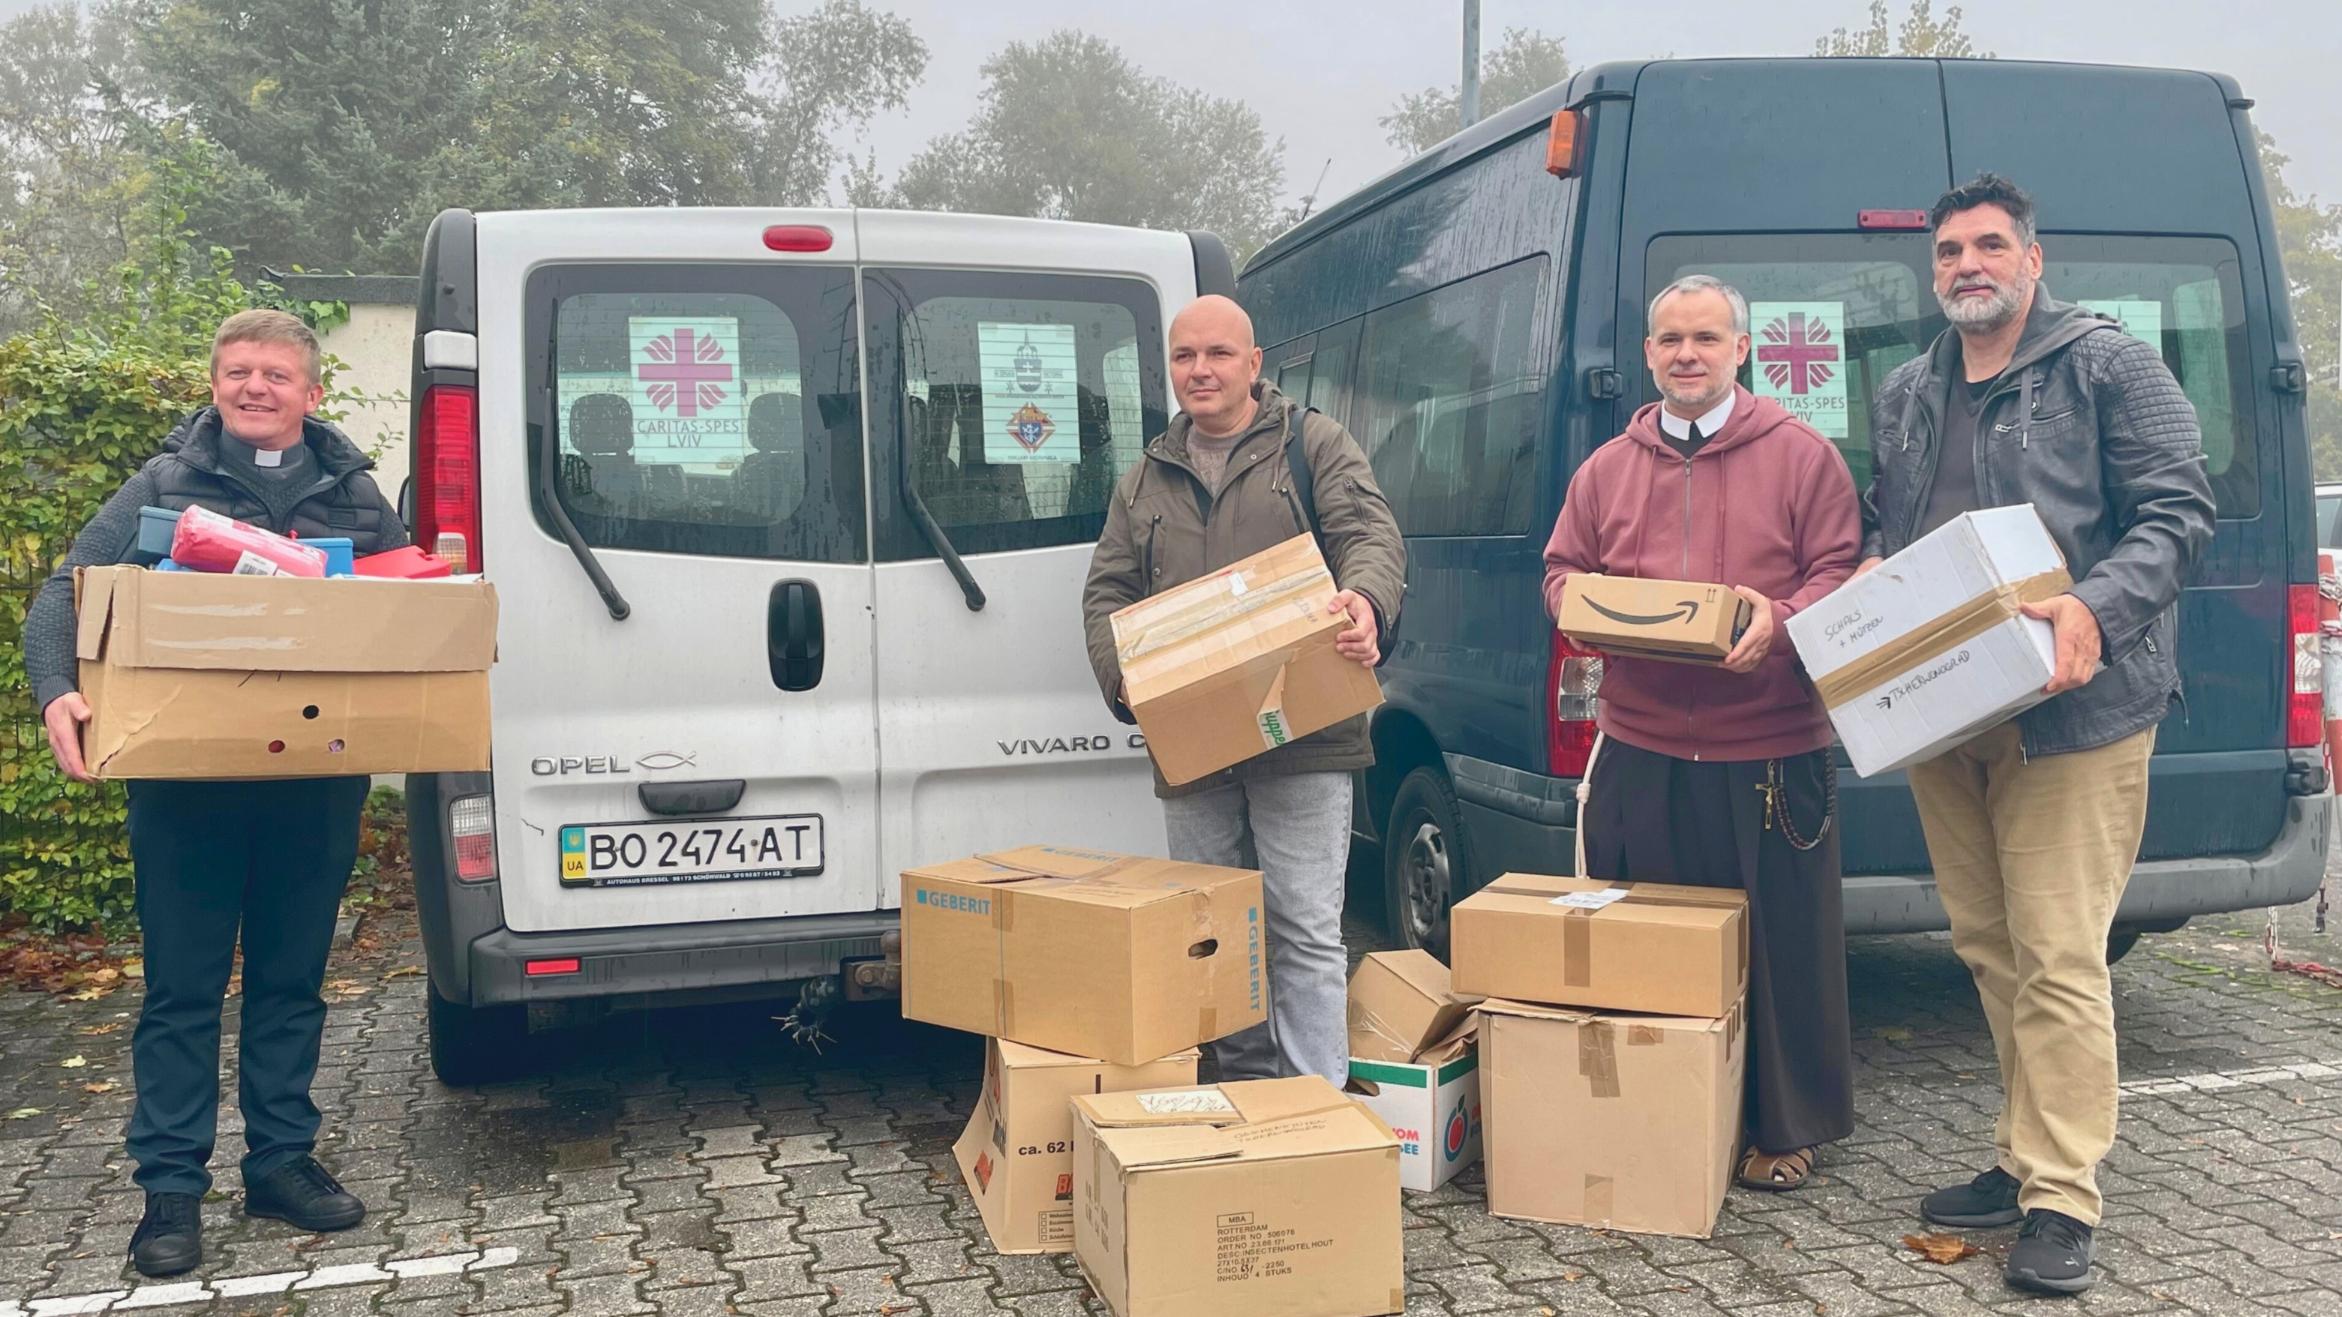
(1767, 503)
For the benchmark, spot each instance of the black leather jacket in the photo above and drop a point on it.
(2088, 426)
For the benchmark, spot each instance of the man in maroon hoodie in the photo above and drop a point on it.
(1720, 776)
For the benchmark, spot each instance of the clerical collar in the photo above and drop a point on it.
(1710, 425)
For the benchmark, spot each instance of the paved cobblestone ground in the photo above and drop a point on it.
(693, 1162)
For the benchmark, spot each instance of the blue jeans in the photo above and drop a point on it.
(1296, 831)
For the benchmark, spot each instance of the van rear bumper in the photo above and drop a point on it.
(1527, 821)
(2161, 892)
(624, 962)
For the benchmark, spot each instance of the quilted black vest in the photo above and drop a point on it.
(343, 501)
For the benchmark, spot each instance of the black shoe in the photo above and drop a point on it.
(2051, 1255)
(300, 1191)
(1988, 1200)
(169, 1238)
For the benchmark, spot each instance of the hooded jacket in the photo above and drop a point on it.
(1164, 528)
(2087, 425)
(1767, 503)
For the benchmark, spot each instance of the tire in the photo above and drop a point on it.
(2120, 941)
(1423, 861)
(476, 1045)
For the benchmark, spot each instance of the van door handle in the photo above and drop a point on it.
(793, 635)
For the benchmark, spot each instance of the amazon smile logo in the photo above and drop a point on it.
(1685, 610)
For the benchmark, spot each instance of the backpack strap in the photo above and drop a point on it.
(1304, 479)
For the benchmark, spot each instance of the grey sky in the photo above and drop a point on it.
(1322, 71)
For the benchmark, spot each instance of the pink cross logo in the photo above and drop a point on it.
(1797, 353)
(683, 369)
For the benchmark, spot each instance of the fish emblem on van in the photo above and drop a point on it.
(1031, 427)
(663, 760)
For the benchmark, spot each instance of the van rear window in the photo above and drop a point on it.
(702, 411)
(1831, 314)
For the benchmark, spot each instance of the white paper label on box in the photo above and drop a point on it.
(1188, 1102)
(1032, 393)
(1591, 900)
(1236, 584)
(1272, 727)
(249, 563)
(1800, 360)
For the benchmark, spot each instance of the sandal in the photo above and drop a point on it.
(1776, 1172)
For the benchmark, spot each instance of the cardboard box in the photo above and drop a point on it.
(197, 675)
(1620, 1122)
(1590, 942)
(1017, 1152)
(1237, 663)
(1928, 649)
(1086, 952)
(1402, 1002)
(1274, 1198)
(1431, 1103)
(1639, 617)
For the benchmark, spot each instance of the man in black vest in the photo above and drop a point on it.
(272, 857)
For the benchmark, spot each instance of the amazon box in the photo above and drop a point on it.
(1086, 952)
(1617, 1122)
(1638, 617)
(1591, 942)
(1273, 1198)
(1401, 1003)
(1017, 1152)
(1237, 663)
(197, 675)
(1928, 648)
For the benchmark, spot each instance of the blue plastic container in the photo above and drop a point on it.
(339, 561)
(156, 526)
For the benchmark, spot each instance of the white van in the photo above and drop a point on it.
(789, 514)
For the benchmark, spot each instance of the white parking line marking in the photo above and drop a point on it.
(275, 1282)
(2217, 1080)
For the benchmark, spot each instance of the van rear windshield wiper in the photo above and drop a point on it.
(925, 520)
(549, 488)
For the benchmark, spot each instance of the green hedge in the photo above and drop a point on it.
(82, 406)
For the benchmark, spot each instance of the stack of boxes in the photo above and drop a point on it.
(1612, 1044)
(1413, 1062)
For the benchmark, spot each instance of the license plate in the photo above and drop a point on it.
(694, 851)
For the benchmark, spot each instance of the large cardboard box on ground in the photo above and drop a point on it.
(1402, 1002)
(1272, 1198)
(1591, 942)
(1620, 1122)
(197, 675)
(1086, 952)
(1017, 1152)
(1928, 649)
(1645, 617)
(1237, 663)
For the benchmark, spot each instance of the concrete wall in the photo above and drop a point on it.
(375, 349)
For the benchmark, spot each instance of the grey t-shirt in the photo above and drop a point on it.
(1954, 491)
(1210, 456)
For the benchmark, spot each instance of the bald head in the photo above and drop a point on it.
(1214, 362)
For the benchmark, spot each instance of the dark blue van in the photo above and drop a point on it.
(1475, 318)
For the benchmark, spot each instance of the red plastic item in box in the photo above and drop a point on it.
(206, 541)
(407, 564)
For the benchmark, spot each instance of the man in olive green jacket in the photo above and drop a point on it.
(1212, 490)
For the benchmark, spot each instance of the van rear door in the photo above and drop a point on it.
(1007, 396)
(713, 756)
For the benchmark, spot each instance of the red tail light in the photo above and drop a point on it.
(2305, 710)
(447, 474)
(471, 820)
(1572, 702)
(798, 238)
(540, 968)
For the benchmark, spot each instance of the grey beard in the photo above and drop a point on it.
(1992, 315)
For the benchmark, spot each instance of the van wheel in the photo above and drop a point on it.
(2120, 941)
(1423, 861)
(476, 1045)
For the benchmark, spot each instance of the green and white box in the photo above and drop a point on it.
(1432, 1104)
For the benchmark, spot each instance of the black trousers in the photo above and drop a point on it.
(1655, 818)
(270, 858)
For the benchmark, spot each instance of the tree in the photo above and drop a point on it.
(836, 68)
(67, 180)
(1524, 63)
(1921, 34)
(1068, 128)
